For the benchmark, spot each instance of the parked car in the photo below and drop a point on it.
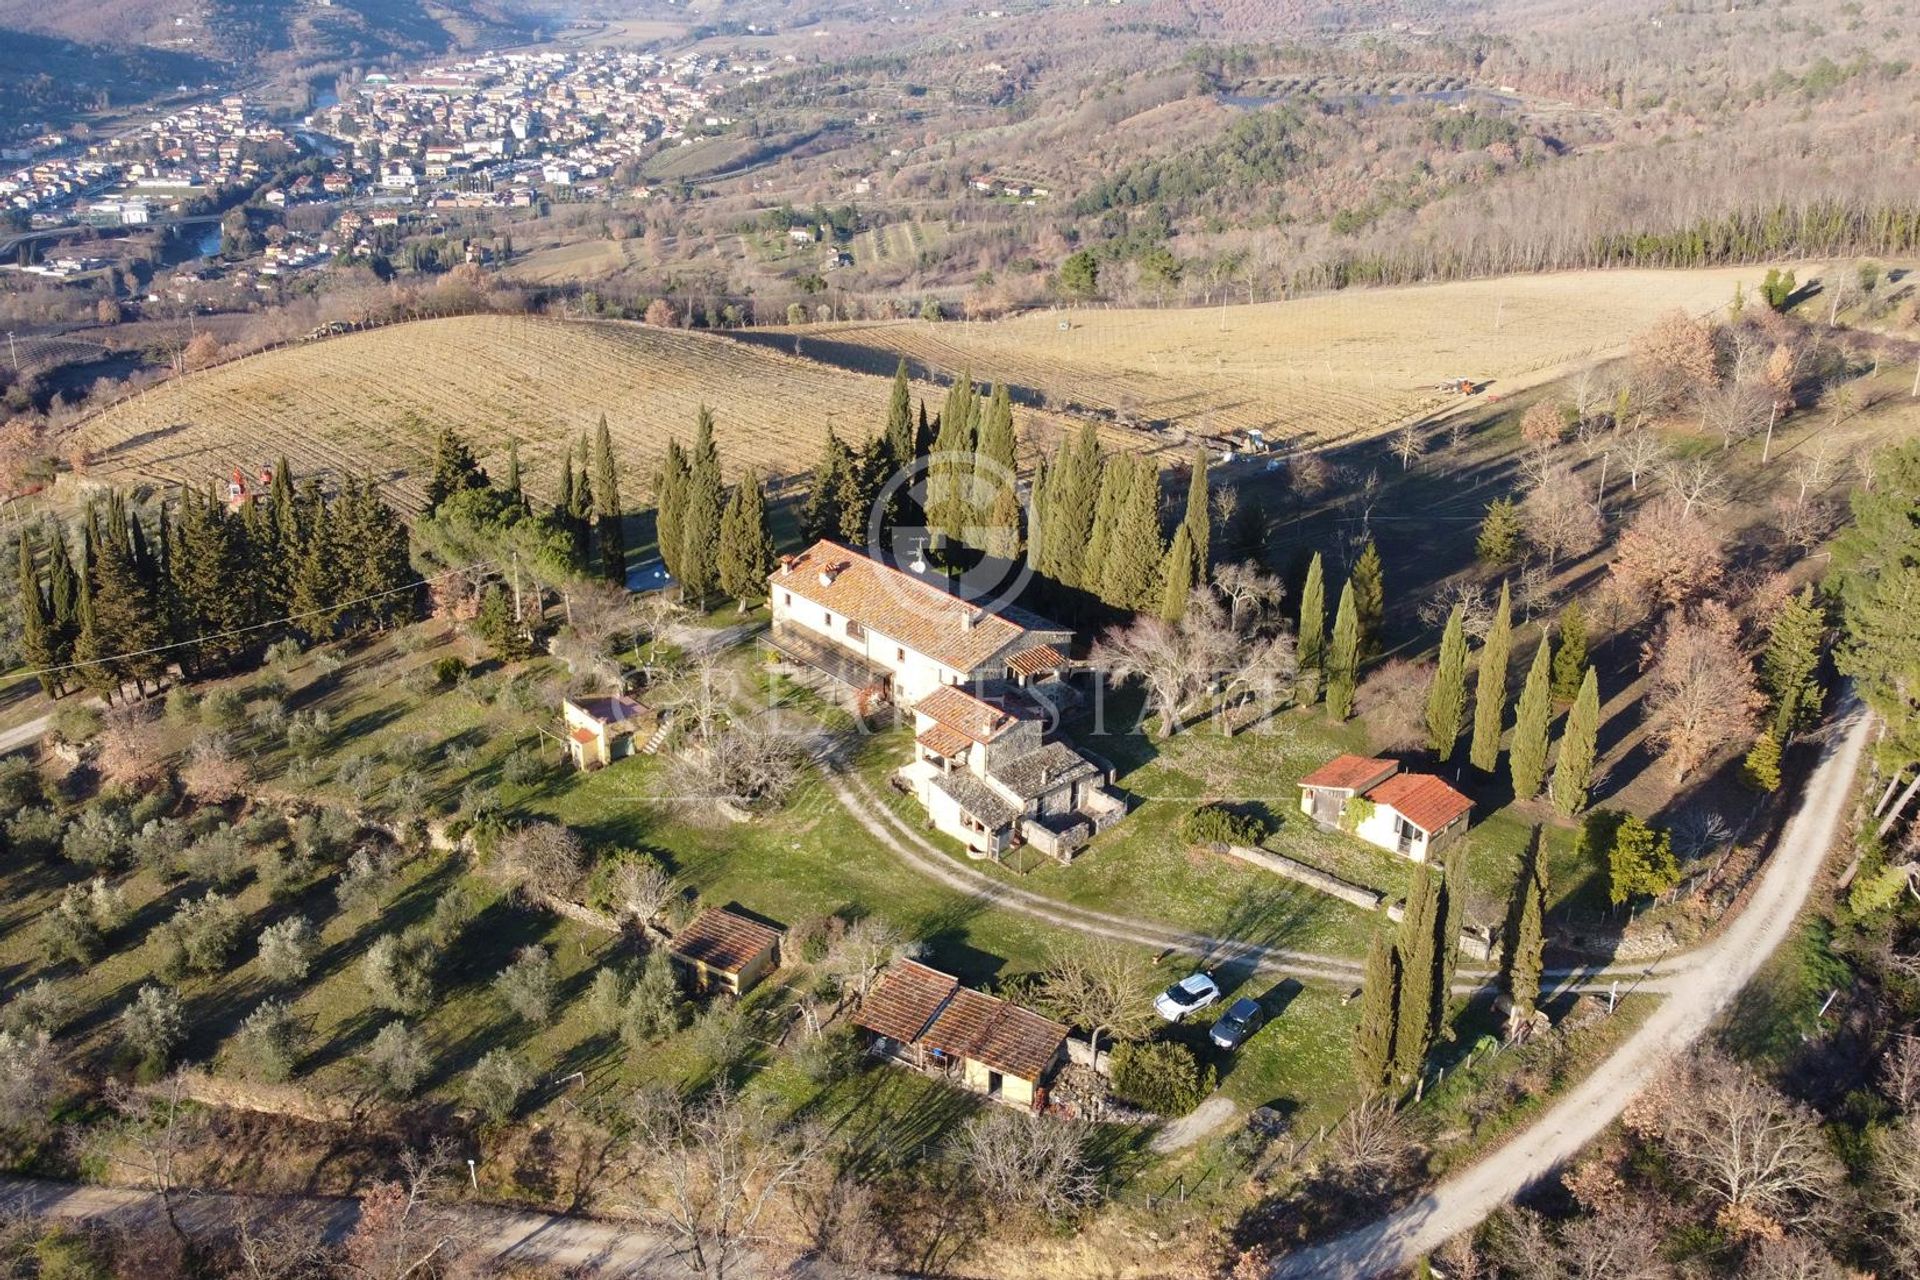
(1242, 1018)
(1189, 995)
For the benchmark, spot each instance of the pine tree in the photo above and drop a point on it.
(1343, 660)
(700, 522)
(1419, 968)
(1790, 664)
(670, 490)
(820, 517)
(126, 618)
(378, 569)
(1570, 660)
(1176, 576)
(1573, 772)
(1312, 630)
(1490, 693)
(1761, 769)
(1379, 991)
(1134, 548)
(1502, 535)
(900, 435)
(36, 622)
(861, 480)
(454, 469)
(1527, 757)
(1198, 520)
(1525, 956)
(1447, 696)
(746, 546)
(1369, 598)
(1074, 493)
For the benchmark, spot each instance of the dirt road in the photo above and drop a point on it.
(1715, 975)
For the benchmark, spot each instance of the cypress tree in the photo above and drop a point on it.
(1369, 598)
(1524, 959)
(1527, 758)
(900, 435)
(949, 478)
(318, 577)
(746, 545)
(1343, 660)
(1573, 772)
(700, 521)
(820, 517)
(1003, 535)
(1134, 547)
(1452, 907)
(1373, 1038)
(1447, 696)
(608, 511)
(513, 487)
(36, 622)
(1570, 660)
(996, 443)
(1490, 693)
(563, 502)
(861, 481)
(1198, 520)
(1790, 663)
(126, 619)
(1312, 630)
(373, 545)
(1075, 494)
(671, 486)
(1039, 547)
(1419, 968)
(1115, 473)
(63, 594)
(88, 650)
(1176, 576)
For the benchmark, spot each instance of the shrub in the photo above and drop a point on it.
(448, 669)
(151, 1026)
(218, 857)
(497, 1083)
(287, 949)
(200, 937)
(20, 784)
(397, 1060)
(282, 654)
(607, 1000)
(522, 767)
(183, 705)
(308, 733)
(75, 723)
(1160, 1076)
(36, 832)
(453, 911)
(268, 1043)
(223, 709)
(526, 985)
(655, 1007)
(398, 970)
(100, 837)
(39, 1009)
(1217, 824)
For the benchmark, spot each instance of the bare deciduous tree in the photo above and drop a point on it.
(1156, 654)
(1735, 411)
(1667, 556)
(1900, 1071)
(132, 746)
(1640, 452)
(713, 1167)
(214, 772)
(404, 1232)
(1559, 515)
(1703, 693)
(1251, 593)
(1036, 1163)
(1408, 445)
(541, 858)
(1744, 1145)
(1392, 701)
(868, 948)
(1696, 482)
(1100, 985)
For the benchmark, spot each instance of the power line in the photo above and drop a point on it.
(256, 626)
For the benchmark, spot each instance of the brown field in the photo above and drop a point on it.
(373, 402)
(1314, 370)
(585, 260)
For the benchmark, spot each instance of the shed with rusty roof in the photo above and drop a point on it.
(723, 950)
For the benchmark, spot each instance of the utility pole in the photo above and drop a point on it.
(516, 586)
(1766, 449)
(13, 355)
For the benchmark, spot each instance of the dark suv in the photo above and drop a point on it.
(1242, 1018)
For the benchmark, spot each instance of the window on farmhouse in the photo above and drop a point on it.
(855, 630)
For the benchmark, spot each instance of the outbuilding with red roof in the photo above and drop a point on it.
(1416, 815)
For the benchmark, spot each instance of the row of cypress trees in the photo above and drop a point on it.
(712, 539)
(209, 585)
(1406, 985)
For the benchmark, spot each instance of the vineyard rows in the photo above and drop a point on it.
(1315, 371)
(371, 403)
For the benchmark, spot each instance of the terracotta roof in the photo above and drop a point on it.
(959, 710)
(905, 1001)
(943, 741)
(1031, 662)
(724, 941)
(904, 608)
(1350, 773)
(1422, 799)
(914, 1004)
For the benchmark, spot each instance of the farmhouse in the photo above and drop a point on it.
(871, 627)
(722, 950)
(600, 730)
(990, 780)
(925, 1019)
(1416, 815)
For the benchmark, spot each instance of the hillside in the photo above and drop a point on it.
(1315, 370)
(374, 401)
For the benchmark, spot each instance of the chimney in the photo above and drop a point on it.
(828, 574)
